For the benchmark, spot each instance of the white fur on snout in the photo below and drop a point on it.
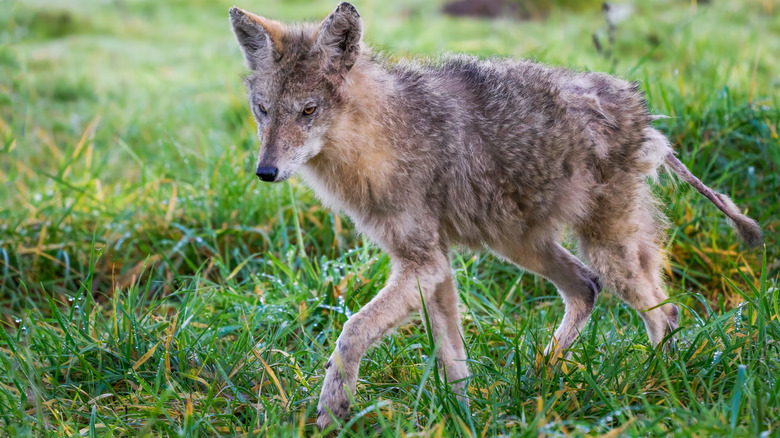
(301, 155)
(289, 160)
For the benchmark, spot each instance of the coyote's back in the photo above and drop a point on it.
(505, 146)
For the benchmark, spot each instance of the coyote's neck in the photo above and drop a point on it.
(357, 161)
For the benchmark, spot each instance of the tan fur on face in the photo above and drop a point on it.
(357, 161)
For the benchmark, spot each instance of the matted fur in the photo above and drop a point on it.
(495, 154)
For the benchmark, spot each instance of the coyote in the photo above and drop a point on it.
(458, 151)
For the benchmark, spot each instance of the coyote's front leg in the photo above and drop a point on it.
(444, 318)
(400, 296)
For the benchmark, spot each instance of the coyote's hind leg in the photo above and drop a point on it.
(622, 243)
(579, 286)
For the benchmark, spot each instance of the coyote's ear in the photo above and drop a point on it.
(338, 39)
(260, 39)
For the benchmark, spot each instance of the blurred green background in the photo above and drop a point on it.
(130, 214)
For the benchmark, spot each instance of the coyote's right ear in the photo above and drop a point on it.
(260, 39)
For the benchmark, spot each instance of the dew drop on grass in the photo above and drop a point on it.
(716, 356)
(18, 320)
(24, 330)
(738, 317)
(77, 308)
(70, 299)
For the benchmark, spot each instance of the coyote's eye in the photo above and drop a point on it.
(262, 109)
(309, 110)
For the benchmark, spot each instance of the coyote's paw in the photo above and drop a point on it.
(459, 388)
(334, 399)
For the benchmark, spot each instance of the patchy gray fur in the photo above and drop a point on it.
(497, 153)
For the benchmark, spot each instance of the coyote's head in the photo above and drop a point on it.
(294, 84)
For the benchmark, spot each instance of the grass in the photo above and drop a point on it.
(152, 286)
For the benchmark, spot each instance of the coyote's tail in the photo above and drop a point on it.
(747, 228)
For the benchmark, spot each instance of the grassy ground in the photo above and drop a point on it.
(151, 285)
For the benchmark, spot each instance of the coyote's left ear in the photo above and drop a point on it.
(338, 39)
(260, 39)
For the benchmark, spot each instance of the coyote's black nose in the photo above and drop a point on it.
(267, 173)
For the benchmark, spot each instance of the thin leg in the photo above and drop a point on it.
(445, 321)
(632, 270)
(623, 246)
(392, 305)
(579, 286)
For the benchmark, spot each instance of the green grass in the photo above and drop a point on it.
(151, 285)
